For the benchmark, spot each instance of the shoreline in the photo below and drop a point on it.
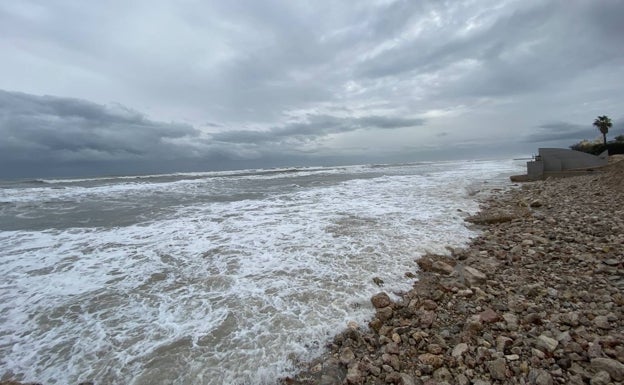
(536, 298)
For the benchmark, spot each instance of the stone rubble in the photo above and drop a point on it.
(536, 299)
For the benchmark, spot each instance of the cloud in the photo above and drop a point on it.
(316, 126)
(558, 131)
(570, 132)
(54, 129)
(48, 131)
(273, 80)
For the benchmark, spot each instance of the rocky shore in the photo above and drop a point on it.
(537, 298)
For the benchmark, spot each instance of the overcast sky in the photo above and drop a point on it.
(119, 87)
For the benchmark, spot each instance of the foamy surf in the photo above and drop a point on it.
(211, 279)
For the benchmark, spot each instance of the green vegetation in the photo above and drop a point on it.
(596, 147)
(603, 123)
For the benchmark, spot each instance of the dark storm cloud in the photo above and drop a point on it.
(54, 129)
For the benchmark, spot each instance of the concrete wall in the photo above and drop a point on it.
(561, 159)
(535, 169)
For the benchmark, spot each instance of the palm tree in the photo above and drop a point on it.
(603, 123)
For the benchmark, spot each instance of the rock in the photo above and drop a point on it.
(354, 376)
(571, 318)
(595, 350)
(540, 377)
(406, 379)
(384, 313)
(535, 203)
(392, 360)
(378, 281)
(459, 350)
(443, 374)
(347, 355)
(461, 379)
(393, 378)
(613, 367)
(602, 322)
(427, 318)
(600, 378)
(434, 349)
(424, 263)
(474, 323)
(473, 276)
(381, 300)
(434, 360)
(511, 321)
(442, 267)
(498, 369)
(546, 344)
(502, 343)
(488, 316)
(392, 348)
(429, 305)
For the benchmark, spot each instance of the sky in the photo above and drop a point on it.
(118, 87)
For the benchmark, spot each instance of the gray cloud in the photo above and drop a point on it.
(571, 133)
(558, 131)
(316, 126)
(53, 129)
(322, 79)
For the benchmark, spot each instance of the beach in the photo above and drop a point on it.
(217, 277)
(536, 298)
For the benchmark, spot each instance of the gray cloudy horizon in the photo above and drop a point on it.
(161, 86)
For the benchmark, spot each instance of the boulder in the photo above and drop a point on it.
(381, 300)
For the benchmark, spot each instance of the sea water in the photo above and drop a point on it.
(214, 278)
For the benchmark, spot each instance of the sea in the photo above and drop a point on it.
(219, 277)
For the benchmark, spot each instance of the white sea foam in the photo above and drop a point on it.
(221, 291)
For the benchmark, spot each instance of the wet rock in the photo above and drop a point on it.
(442, 267)
(381, 300)
(384, 313)
(347, 356)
